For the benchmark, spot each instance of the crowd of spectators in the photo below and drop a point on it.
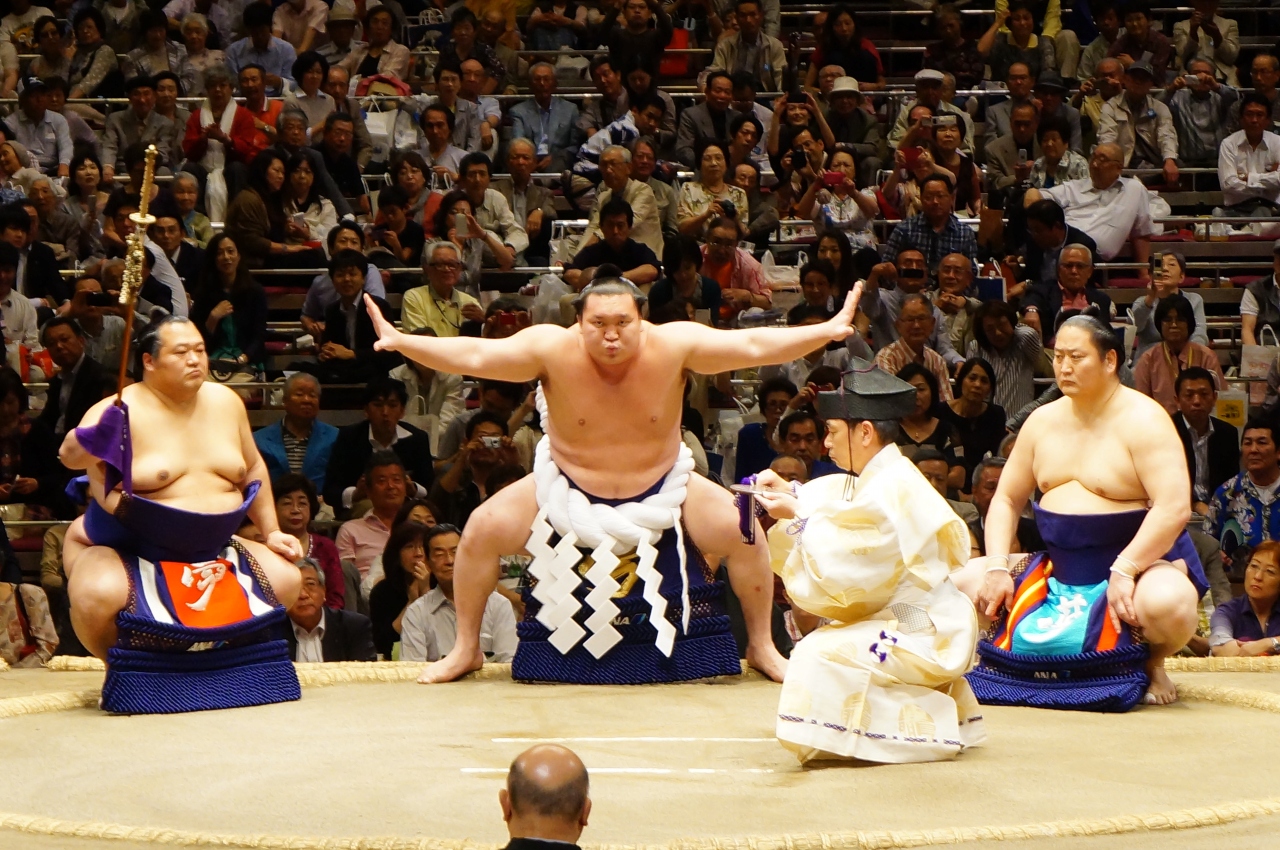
(414, 153)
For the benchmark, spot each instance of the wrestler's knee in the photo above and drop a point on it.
(502, 521)
(284, 577)
(99, 586)
(1165, 602)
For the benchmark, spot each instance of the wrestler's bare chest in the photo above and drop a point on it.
(1092, 457)
(199, 448)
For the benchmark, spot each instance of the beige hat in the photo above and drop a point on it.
(342, 12)
(845, 84)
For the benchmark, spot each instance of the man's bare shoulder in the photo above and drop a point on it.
(1148, 415)
(541, 337)
(222, 399)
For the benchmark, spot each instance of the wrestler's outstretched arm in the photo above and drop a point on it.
(712, 351)
(516, 359)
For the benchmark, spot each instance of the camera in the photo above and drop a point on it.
(798, 159)
(796, 95)
(941, 121)
(101, 299)
(729, 208)
(491, 442)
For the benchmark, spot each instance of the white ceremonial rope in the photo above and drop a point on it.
(618, 530)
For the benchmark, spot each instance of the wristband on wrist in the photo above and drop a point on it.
(1128, 570)
(997, 564)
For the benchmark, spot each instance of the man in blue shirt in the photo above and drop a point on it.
(1243, 512)
(935, 232)
(275, 55)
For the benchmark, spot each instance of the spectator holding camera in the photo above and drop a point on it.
(929, 84)
(465, 484)
(1201, 108)
(795, 114)
(1208, 36)
(710, 196)
(841, 205)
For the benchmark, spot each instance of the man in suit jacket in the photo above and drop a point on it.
(346, 348)
(1211, 446)
(317, 633)
(187, 259)
(533, 205)
(1002, 153)
(382, 429)
(301, 408)
(1072, 287)
(20, 227)
(1047, 234)
(549, 122)
(140, 123)
(81, 381)
(706, 120)
(546, 771)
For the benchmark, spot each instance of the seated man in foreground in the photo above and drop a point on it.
(1113, 515)
(159, 587)
(612, 479)
(883, 680)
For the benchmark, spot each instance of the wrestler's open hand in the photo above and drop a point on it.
(842, 322)
(996, 593)
(285, 545)
(1120, 601)
(388, 336)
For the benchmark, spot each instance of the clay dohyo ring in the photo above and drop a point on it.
(327, 674)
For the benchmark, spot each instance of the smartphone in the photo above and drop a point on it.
(299, 219)
(1022, 156)
(506, 317)
(832, 178)
(911, 156)
(460, 222)
(102, 299)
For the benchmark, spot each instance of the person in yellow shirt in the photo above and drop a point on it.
(439, 304)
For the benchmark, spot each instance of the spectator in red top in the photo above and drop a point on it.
(219, 134)
(266, 113)
(842, 45)
(741, 279)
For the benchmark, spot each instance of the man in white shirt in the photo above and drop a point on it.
(429, 627)
(1110, 208)
(1249, 163)
(20, 322)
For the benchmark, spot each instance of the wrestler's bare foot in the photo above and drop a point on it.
(1161, 691)
(453, 666)
(767, 660)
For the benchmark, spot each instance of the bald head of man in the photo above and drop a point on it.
(546, 795)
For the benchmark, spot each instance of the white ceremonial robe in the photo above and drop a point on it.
(884, 680)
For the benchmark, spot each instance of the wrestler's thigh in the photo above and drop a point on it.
(500, 526)
(1164, 594)
(711, 517)
(284, 578)
(74, 544)
(98, 586)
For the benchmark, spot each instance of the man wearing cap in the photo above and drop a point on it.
(929, 93)
(752, 49)
(42, 131)
(883, 680)
(139, 123)
(341, 28)
(1051, 97)
(1140, 124)
(854, 126)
